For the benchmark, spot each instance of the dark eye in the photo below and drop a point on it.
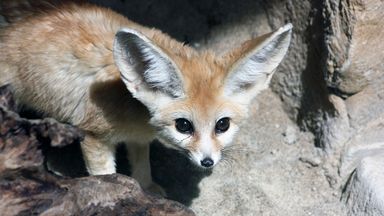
(222, 125)
(184, 126)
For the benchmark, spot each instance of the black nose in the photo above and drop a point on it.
(206, 162)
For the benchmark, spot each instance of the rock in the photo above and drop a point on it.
(337, 129)
(312, 161)
(364, 192)
(353, 54)
(366, 142)
(290, 136)
(352, 31)
(26, 188)
(364, 63)
(366, 106)
(339, 20)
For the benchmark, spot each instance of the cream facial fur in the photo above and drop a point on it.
(122, 82)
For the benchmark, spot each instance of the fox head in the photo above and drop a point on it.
(197, 100)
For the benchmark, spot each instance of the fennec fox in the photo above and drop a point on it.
(121, 82)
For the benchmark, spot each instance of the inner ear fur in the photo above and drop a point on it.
(252, 65)
(145, 67)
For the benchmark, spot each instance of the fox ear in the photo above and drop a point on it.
(255, 62)
(147, 71)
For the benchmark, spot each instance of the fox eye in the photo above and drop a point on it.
(222, 125)
(184, 126)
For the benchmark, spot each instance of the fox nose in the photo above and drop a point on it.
(206, 162)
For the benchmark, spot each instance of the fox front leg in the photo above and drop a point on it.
(138, 156)
(99, 157)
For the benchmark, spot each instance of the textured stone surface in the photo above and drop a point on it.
(354, 61)
(339, 20)
(364, 64)
(354, 72)
(26, 188)
(366, 142)
(364, 192)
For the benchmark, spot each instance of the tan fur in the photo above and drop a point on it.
(61, 62)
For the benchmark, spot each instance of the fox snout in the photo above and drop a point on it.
(201, 141)
(204, 141)
(205, 160)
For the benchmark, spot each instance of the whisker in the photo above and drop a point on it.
(231, 155)
(227, 162)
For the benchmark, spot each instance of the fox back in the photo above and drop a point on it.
(121, 81)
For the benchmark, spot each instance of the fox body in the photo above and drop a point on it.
(121, 82)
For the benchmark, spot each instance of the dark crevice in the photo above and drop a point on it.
(315, 105)
(345, 193)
